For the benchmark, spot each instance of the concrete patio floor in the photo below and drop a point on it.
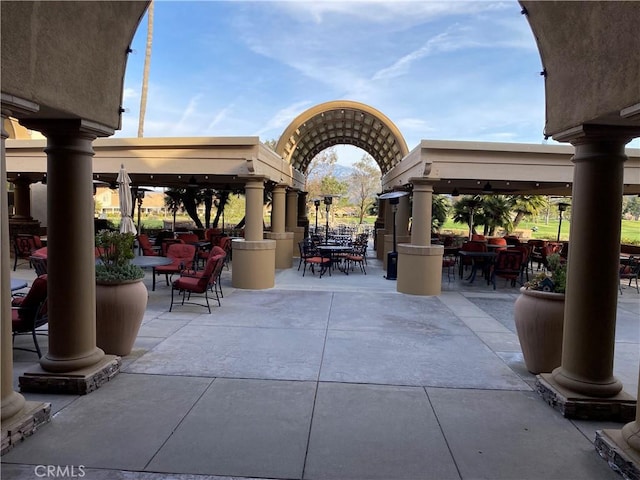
(337, 377)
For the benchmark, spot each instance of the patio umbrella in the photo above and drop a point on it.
(126, 202)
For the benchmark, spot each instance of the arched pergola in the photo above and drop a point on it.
(342, 122)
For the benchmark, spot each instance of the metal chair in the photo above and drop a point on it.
(630, 270)
(28, 313)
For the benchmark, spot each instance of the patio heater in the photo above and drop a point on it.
(561, 208)
(316, 202)
(392, 257)
(328, 200)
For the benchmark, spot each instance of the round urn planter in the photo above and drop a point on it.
(120, 308)
(539, 319)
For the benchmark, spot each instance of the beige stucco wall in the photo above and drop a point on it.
(591, 54)
(67, 59)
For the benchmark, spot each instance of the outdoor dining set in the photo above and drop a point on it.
(333, 252)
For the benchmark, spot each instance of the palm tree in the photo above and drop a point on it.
(439, 211)
(462, 211)
(525, 205)
(145, 72)
(496, 211)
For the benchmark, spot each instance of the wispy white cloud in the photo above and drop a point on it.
(283, 118)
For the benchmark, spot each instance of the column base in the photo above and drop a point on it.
(420, 269)
(254, 264)
(24, 424)
(619, 408)
(284, 248)
(619, 455)
(78, 382)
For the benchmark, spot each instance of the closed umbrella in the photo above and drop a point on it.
(126, 202)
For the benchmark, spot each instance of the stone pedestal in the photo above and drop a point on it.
(618, 408)
(24, 424)
(618, 454)
(78, 382)
(253, 264)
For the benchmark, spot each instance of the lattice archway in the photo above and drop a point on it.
(342, 122)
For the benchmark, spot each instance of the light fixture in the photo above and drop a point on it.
(561, 208)
(487, 188)
(193, 183)
(455, 193)
(392, 257)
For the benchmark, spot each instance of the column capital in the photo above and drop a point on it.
(587, 133)
(12, 106)
(64, 127)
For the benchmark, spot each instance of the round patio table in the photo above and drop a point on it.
(150, 261)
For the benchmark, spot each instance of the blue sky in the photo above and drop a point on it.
(439, 70)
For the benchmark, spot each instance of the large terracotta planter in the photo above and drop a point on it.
(119, 312)
(539, 318)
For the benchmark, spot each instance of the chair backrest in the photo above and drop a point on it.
(474, 246)
(24, 245)
(41, 252)
(181, 254)
(225, 244)
(167, 242)
(508, 261)
(145, 243)
(216, 251)
(476, 237)
(525, 251)
(34, 303)
(188, 237)
(497, 241)
(217, 269)
(39, 264)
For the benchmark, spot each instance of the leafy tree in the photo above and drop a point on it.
(496, 213)
(439, 211)
(526, 205)
(364, 183)
(631, 206)
(462, 211)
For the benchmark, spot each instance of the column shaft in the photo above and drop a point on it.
(292, 210)
(421, 214)
(12, 402)
(22, 198)
(592, 271)
(254, 194)
(402, 216)
(71, 257)
(278, 209)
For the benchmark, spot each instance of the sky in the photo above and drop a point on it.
(447, 70)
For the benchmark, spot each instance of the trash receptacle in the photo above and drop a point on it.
(392, 266)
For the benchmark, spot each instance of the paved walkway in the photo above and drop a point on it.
(337, 377)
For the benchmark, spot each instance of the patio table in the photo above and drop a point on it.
(333, 252)
(478, 259)
(150, 261)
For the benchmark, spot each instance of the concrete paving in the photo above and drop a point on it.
(338, 377)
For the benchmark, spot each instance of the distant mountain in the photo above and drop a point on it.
(342, 172)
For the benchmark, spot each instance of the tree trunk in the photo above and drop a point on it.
(145, 73)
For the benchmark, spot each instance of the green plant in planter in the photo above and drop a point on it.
(554, 279)
(115, 254)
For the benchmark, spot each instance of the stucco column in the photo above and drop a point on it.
(71, 249)
(254, 258)
(22, 198)
(378, 225)
(283, 239)
(19, 418)
(402, 226)
(387, 227)
(303, 218)
(420, 263)
(12, 402)
(590, 306)
(292, 217)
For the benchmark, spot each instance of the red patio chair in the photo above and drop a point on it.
(145, 244)
(508, 264)
(24, 245)
(182, 257)
(199, 283)
(29, 313)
